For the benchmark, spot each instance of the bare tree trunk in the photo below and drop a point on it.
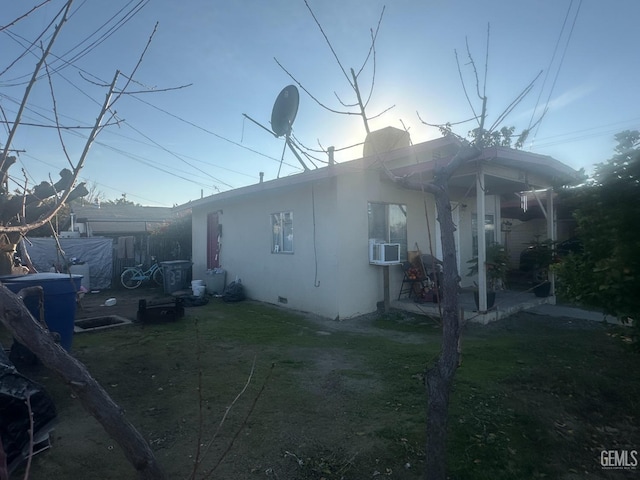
(440, 376)
(17, 319)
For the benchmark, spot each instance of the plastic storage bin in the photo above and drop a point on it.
(59, 290)
(176, 275)
(215, 280)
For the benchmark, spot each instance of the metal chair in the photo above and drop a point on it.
(413, 281)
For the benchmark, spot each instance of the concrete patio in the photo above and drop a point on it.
(507, 303)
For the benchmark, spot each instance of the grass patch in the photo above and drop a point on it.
(535, 397)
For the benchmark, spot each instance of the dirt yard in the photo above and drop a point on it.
(536, 397)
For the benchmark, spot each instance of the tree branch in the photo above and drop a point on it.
(309, 93)
(55, 114)
(17, 319)
(464, 87)
(135, 69)
(4, 27)
(32, 82)
(335, 55)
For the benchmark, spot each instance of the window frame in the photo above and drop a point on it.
(283, 238)
(388, 238)
(489, 231)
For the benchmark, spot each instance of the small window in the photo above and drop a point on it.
(282, 232)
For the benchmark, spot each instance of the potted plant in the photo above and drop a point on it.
(537, 259)
(497, 266)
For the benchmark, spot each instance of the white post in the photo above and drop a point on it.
(482, 247)
(551, 233)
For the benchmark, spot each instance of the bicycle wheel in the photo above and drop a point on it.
(128, 278)
(158, 277)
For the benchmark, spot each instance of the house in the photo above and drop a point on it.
(303, 241)
(118, 220)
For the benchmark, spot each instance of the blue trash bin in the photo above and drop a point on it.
(60, 290)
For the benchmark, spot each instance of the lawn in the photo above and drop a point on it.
(535, 397)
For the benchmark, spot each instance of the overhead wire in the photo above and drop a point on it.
(86, 50)
(210, 132)
(557, 74)
(175, 155)
(145, 161)
(71, 62)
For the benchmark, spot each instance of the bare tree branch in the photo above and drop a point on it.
(374, 36)
(486, 62)
(17, 319)
(344, 104)
(464, 87)
(335, 55)
(76, 170)
(475, 70)
(362, 106)
(34, 76)
(4, 27)
(311, 95)
(135, 69)
(382, 112)
(35, 41)
(55, 114)
(244, 422)
(373, 77)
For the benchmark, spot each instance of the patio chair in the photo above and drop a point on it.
(413, 281)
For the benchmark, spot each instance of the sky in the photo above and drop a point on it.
(181, 132)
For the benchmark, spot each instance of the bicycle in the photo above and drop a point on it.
(132, 277)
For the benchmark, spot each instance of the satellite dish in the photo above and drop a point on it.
(284, 111)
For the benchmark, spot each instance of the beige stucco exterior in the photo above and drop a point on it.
(329, 272)
(345, 284)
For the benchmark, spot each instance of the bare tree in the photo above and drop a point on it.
(439, 376)
(29, 208)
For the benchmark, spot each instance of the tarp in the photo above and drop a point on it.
(97, 252)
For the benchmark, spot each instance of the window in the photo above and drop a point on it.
(282, 232)
(489, 231)
(388, 223)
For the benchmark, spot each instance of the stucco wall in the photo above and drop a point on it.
(282, 277)
(361, 284)
(346, 284)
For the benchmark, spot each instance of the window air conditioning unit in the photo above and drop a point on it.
(383, 253)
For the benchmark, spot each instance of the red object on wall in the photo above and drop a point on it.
(213, 241)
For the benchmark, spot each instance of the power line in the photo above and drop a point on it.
(188, 122)
(120, 22)
(564, 52)
(176, 155)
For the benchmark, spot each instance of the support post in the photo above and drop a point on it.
(551, 234)
(482, 244)
(385, 281)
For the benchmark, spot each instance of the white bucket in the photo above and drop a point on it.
(198, 290)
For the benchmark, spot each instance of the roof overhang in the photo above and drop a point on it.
(506, 170)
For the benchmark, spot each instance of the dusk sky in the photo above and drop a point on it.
(174, 145)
